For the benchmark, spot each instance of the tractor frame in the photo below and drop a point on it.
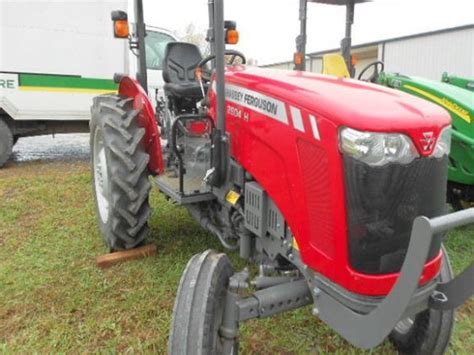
(364, 320)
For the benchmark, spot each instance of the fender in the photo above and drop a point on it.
(131, 88)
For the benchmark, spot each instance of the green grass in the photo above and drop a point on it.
(53, 298)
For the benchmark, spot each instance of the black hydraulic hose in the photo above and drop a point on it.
(207, 224)
(211, 227)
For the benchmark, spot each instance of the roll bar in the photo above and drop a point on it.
(216, 38)
(210, 31)
(219, 43)
(141, 34)
(346, 43)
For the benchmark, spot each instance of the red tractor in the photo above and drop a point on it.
(334, 187)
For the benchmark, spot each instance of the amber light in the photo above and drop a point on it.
(299, 58)
(121, 29)
(355, 60)
(232, 37)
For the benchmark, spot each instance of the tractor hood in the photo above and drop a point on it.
(346, 102)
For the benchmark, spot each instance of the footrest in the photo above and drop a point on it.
(182, 198)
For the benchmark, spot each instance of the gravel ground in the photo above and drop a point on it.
(61, 147)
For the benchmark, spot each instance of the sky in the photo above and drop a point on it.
(268, 28)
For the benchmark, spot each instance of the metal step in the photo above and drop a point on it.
(170, 187)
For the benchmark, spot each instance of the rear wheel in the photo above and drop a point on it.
(6, 142)
(459, 204)
(458, 196)
(429, 332)
(120, 172)
(199, 306)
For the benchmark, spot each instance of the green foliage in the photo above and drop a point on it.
(53, 298)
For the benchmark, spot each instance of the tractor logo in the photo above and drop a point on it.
(428, 141)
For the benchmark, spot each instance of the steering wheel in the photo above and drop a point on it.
(206, 73)
(376, 65)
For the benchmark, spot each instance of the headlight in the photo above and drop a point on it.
(378, 149)
(443, 146)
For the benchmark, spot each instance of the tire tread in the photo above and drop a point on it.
(7, 141)
(200, 292)
(128, 170)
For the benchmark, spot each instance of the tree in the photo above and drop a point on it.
(192, 34)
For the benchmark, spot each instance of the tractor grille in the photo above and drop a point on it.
(382, 205)
(319, 201)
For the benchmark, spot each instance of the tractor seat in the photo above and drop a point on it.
(185, 90)
(334, 64)
(180, 63)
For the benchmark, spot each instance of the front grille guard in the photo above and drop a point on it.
(368, 331)
(362, 330)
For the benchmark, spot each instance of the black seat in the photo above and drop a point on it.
(180, 63)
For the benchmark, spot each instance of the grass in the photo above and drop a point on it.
(54, 299)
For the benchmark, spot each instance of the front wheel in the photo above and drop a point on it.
(6, 142)
(199, 307)
(120, 172)
(429, 332)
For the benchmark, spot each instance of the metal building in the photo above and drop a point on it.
(426, 54)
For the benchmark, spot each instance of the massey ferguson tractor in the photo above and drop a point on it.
(335, 188)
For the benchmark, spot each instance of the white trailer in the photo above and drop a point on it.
(55, 57)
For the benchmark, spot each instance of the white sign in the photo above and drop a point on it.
(258, 102)
(8, 81)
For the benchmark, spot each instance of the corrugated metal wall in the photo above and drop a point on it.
(286, 66)
(432, 55)
(364, 56)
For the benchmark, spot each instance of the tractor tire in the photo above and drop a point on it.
(429, 333)
(6, 142)
(120, 172)
(199, 306)
(458, 204)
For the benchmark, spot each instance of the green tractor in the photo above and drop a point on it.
(459, 102)
(463, 83)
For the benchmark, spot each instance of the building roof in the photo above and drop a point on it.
(388, 40)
